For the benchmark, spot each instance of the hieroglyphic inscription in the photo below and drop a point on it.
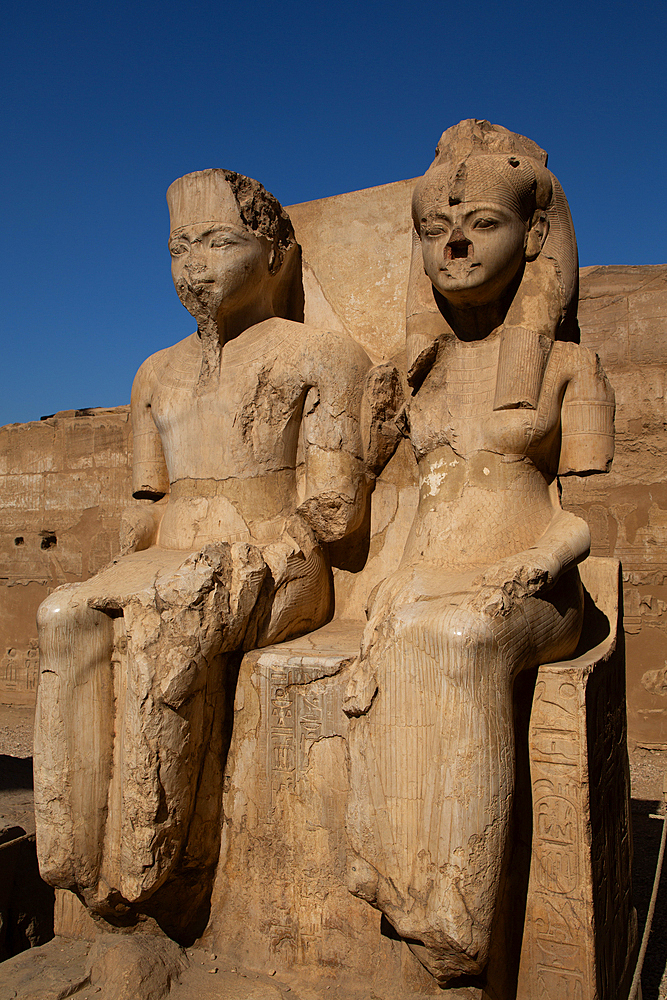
(556, 842)
(296, 711)
(19, 668)
(579, 934)
(557, 955)
(299, 706)
(281, 764)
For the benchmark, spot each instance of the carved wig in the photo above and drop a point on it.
(483, 160)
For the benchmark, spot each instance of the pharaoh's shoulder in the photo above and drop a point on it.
(176, 366)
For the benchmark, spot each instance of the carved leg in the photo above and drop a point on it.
(139, 664)
(432, 767)
(73, 738)
(432, 779)
(174, 639)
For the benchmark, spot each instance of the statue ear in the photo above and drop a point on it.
(537, 234)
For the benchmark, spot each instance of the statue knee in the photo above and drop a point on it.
(55, 611)
(465, 641)
(74, 639)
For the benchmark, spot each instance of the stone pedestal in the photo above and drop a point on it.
(280, 899)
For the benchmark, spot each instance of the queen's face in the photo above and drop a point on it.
(219, 268)
(471, 251)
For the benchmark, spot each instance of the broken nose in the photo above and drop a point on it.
(457, 245)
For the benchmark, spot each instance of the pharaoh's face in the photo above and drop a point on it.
(219, 268)
(471, 251)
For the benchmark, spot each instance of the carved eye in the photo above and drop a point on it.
(221, 241)
(177, 248)
(485, 224)
(432, 232)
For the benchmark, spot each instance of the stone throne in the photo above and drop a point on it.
(280, 899)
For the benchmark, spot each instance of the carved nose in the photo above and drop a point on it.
(193, 265)
(457, 245)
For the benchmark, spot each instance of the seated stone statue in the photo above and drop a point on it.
(503, 402)
(247, 458)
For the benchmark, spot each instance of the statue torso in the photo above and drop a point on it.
(231, 448)
(243, 424)
(485, 475)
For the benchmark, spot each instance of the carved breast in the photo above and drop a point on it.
(454, 407)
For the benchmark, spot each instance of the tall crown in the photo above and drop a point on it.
(475, 136)
(204, 196)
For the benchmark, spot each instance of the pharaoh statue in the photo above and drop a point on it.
(247, 464)
(504, 400)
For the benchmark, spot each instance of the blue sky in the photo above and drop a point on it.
(103, 107)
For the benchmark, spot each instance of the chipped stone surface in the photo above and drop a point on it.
(51, 972)
(279, 902)
(621, 307)
(406, 753)
(487, 585)
(486, 588)
(115, 967)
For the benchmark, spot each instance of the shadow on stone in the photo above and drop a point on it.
(26, 902)
(646, 836)
(15, 773)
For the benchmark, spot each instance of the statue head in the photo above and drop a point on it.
(491, 224)
(232, 247)
(479, 220)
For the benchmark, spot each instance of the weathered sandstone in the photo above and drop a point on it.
(213, 752)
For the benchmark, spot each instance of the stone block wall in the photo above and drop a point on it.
(623, 317)
(64, 482)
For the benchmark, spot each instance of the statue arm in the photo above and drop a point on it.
(150, 480)
(587, 445)
(587, 417)
(564, 544)
(335, 494)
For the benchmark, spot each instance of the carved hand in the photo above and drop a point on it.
(521, 575)
(139, 526)
(382, 400)
(287, 557)
(361, 689)
(565, 543)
